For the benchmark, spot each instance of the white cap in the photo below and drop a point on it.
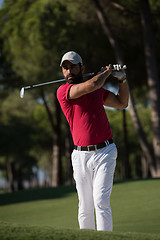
(72, 57)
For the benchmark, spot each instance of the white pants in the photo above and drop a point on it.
(93, 173)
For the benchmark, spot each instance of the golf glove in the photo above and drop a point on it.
(118, 72)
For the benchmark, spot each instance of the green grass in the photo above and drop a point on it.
(136, 206)
(51, 213)
(19, 232)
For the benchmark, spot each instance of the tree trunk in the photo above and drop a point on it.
(68, 151)
(126, 155)
(144, 167)
(19, 180)
(10, 174)
(57, 178)
(120, 59)
(56, 155)
(56, 164)
(153, 79)
(142, 138)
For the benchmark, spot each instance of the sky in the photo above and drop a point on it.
(1, 1)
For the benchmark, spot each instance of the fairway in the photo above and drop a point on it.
(53, 212)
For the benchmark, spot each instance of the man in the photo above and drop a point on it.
(94, 156)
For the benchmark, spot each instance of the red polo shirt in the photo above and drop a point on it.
(86, 116)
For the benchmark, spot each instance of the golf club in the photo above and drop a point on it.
(115, 67)
(46, 83)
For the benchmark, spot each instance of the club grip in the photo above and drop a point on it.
(118, 67)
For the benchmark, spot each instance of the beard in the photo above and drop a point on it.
(74, 79)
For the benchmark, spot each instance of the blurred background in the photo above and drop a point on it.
(35, 140)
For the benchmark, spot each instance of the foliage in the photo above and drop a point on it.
(116, 121)
(33, 37)
(37, 33)
(43, 139)
(16, 130)
(21, 134)
(128, 32)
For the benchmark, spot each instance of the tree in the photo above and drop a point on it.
(16, 141)
(33, 46)
(120, 58)
(36, 34)
(153, 79)
(57, 178)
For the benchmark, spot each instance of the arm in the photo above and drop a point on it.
(120, 100)
(78, 90)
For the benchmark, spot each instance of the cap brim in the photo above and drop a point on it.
(72, 61)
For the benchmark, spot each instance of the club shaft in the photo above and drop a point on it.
(63, 79)
(42, 84)
(59, 80)
(55, 81)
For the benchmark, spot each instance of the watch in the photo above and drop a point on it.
(122, 81)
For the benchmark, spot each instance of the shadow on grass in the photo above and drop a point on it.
(35, 194)
(46, 193)
(134, 180)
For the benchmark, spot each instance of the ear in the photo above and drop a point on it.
(82, 68)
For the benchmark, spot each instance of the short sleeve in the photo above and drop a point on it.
(62, 92)
(105, 94)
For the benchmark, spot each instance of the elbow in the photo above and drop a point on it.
(124, 103)
(124, 106)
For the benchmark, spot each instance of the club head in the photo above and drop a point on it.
(22, 92)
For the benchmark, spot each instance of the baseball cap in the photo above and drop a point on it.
(72, 57)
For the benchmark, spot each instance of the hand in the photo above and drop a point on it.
(106, 68)
(118, 72)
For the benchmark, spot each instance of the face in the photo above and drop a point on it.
(72, 72)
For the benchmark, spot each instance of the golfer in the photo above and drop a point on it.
(94, 155)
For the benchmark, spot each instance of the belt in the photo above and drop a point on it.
(94, 147)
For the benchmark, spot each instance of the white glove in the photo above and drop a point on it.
(118, 72)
